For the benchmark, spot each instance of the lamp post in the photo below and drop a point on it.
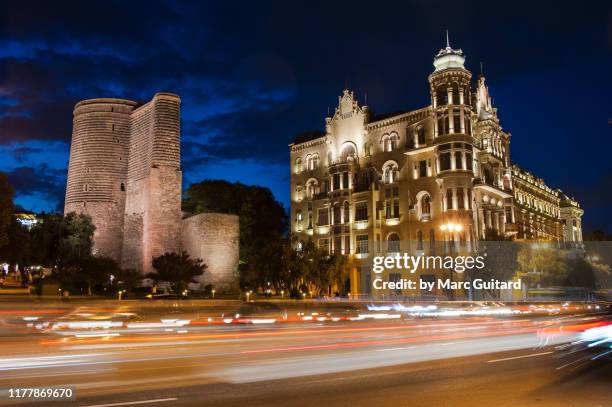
(449, 228)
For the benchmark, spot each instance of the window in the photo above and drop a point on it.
(421, 136)
(458, 160)
(310, 220)
(445, 161)
(442, 96)
(460, 201)
(348, 152)
(469, 198)
(361, 211)
(338, 245)
(394, 138)
(457, 120)
(420, 240)
(361, 245)
(298, 221)
(390, 142)
(336, 181)
(422, 169)
(298, 165)
(425, 207)
(337, 213)
(442, 124)
(347, 212)
(323, 217)
(312, 161)
(311, 188)
(345, 180)
(393, 243)
(347, 244)
(86, 187)
(324, 244)
(392, 208)
(390, 173)
(449, 199)
(122, 186)
(468, 162)
(298, 193)
(367, 149)
(396, 278)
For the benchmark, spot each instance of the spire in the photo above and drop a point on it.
(448, 57)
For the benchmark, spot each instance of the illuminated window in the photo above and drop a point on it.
(361, 211)
(390, 171)
(298, 165)
(393, 243)
(361, 245)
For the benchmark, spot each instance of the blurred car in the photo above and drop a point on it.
(258, 313)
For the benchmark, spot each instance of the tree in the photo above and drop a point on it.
(89, 274)
(76, 233)
(6, 208)
(176, 269)
(45, 236)
(541, 264)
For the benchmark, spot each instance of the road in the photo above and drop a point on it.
(379, 359)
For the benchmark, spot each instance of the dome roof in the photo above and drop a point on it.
(448, 58)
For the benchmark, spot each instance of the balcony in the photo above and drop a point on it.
(511, 228)
(481, 183)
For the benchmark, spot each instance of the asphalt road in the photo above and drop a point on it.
(488, 361)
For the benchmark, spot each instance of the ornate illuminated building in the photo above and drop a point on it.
(417, 180)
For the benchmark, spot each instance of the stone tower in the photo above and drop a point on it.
(125, 173)
(153, 203)
(97, 172)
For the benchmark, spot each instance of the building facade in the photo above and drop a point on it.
(125, 172)
(418, 180)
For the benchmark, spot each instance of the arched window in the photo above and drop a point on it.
(393, 243)
(299, 193)
(122, 186)
(393, 141)
(311, 188)
(348, 152)
(347, 212)
(386, 143)
(298, 165)
(312, 161)
(424, 206)
(367, 149)
(390, 171)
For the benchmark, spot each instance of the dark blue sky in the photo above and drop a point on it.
(254, 74)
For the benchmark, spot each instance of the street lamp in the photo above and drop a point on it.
(449, 228)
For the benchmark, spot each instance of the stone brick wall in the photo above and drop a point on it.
(97, 170)
(153, 204)
(214, 238)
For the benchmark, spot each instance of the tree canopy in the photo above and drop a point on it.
(263, 220)
(176, 269)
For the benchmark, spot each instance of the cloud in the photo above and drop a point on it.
(40, 182)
